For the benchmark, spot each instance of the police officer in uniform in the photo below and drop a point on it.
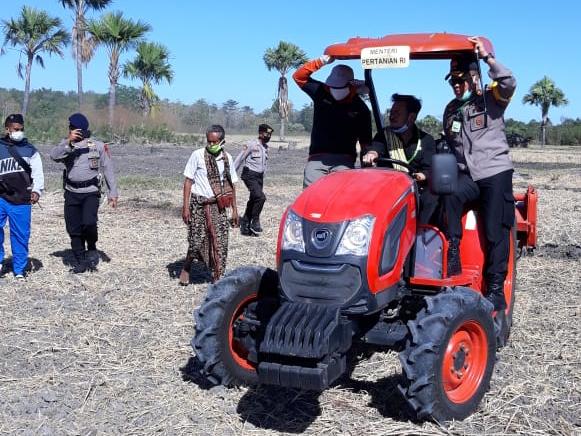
(86, 161)
(254, 158)
(474, 128)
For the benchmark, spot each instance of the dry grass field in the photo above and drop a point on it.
(109, 352)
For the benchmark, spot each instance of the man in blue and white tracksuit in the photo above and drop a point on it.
(21, 184)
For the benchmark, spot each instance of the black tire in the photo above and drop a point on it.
(245, 289)
(429, 359)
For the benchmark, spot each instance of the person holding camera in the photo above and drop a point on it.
(207, 195)
(474, 128)
(87, 162)
(21, 185)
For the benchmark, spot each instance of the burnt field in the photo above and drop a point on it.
(109, 352)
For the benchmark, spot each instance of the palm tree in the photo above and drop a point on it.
(283, 58)
(545, 94)
(83, 48)
(34, 32)
(118, 35)
(151, 66)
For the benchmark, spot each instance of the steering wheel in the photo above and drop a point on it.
(387, 162)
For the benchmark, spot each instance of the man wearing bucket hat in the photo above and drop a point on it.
(340, 119)
(474, 128)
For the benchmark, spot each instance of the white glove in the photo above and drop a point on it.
(326, 59)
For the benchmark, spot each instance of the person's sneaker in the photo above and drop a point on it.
(92, 258)
(495, 294)
(245, 227)
(255, 226)
(19, 276)
(454, 264)
(80, 264)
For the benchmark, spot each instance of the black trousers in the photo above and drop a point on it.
(428, 205)
(81, 219)
(495, 204)
(254, 182)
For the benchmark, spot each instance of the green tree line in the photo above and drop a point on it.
(48, 112)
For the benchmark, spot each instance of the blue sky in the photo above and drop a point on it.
(217, 47)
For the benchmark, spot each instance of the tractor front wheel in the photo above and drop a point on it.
(448, 360)
(230, 322)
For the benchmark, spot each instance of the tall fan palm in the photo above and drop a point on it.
(545, 94)
(118, 35)
(83, 47)
(33, 32)
(151, 66)
(282, 59)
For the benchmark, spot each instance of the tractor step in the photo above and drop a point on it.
(299, 377)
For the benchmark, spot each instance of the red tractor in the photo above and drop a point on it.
(353, 266)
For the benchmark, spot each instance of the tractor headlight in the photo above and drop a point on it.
(292, 235)
(355, 240)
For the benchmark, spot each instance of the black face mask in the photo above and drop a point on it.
(265, 139)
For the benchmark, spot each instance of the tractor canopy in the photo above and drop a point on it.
(421, 45)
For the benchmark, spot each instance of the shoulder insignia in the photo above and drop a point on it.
(496, 93)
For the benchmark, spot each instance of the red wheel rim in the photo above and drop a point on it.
(237, 350)
(465, 362)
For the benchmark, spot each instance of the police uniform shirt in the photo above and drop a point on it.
(254, 157)
(83, 161)
(196, 171)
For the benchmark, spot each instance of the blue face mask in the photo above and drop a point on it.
(467, 94)
(400, 130)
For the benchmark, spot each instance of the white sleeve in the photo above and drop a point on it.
(191, 166)
(233, 174)
(37, 173)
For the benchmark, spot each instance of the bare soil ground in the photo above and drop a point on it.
(109, 352)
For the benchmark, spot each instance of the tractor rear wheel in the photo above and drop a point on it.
(223, 342)
(448, 360)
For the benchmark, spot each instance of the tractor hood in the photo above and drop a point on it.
(351, 194)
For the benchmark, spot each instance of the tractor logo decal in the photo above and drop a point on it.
(321, 237)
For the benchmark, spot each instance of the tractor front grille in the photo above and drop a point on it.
(320, 283)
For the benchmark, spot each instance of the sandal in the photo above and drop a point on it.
(184, 277)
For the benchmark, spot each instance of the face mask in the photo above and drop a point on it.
(339, 93)
(400, 130)
(215, 148)
(467, 94)
(265, 139)
(17, 136)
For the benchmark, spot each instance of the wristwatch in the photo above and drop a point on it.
(488, 55)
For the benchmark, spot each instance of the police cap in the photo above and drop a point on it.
(79, 121)
(265, 128)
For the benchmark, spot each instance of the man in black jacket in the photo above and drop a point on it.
(21, 184)
(341, 119)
